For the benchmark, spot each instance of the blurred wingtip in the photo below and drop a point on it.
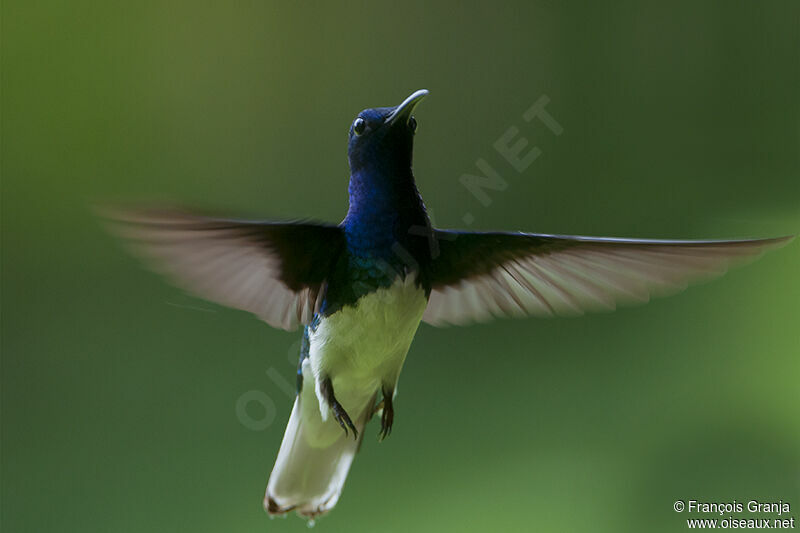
(135, 214)
(777, 242)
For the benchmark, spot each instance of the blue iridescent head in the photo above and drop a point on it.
(382, 139)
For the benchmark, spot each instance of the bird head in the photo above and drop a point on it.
(382, 139)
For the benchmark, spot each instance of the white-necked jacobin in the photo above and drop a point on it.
(360, 289)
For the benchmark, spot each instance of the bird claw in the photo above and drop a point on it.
(339, 413)
(344, 419)
(387, 415)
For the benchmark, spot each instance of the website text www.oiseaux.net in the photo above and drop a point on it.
(780, 511)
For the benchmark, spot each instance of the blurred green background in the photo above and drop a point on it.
(119, 393)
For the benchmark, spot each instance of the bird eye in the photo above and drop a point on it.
(412, 123)
(359, 126)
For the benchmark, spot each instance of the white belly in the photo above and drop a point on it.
(362, 348)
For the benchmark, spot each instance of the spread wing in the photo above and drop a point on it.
(276, 271)
(477, 276)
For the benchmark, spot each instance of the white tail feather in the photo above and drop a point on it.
(313, 461)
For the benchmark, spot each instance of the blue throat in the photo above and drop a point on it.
(382, 229)
(384, 214)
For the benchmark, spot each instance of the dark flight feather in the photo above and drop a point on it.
(277, 271)
(478, 276)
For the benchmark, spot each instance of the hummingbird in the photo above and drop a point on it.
(360, 289)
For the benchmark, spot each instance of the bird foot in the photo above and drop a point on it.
(387, 414)
(339, 413)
